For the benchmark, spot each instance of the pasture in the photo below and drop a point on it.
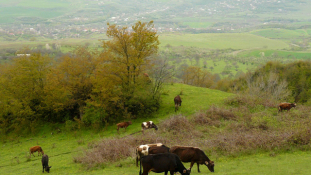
(222, 41)
(64, 146)
(276, 53)
(277, 33)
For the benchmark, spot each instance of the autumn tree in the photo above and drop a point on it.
(22, 89)
(120, 75)
(71, 81)
(196, 76)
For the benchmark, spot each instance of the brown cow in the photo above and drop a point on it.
(35, 149)
(177, 101)
(193, 155)
(148, 125)
(123, 125)
(286, 106)
(147, 149)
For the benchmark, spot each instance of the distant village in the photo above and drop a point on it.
(166, 18)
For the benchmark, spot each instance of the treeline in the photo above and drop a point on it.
(277, 81)
(91, 87)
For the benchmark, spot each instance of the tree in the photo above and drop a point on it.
(126, 57)
(22, 89)
(71, 81)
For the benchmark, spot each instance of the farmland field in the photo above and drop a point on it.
(277, 53)
(277, 33)
(221, 41)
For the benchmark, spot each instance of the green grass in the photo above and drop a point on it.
(280, 33)
(221, 41)
(62, 147)
(284, 54)
(46, 9)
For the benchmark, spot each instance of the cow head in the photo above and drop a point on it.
(186, 172)
(293, 104)
(129, 122)
(47, 168)
(154, 126)
(210, 165)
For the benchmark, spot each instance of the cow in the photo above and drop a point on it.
(147, 149)
(177, 101)
(193, 155)
(164, 162)
(45, 163)
(123, 125)
(148, 125)
(286, 106)
(35, 149)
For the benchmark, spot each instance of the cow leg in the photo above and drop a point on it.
(43, 169)
(198, 168)
(191, 165)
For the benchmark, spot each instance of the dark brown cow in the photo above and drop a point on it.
(35, 149)
(193, 155)
(45, 163)
(164, 162)
(147, 149)
(286, 106)
(177, 101)
(148, 125)
(123, 125)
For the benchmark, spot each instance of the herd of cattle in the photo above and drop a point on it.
(155, 157)
(158, 157)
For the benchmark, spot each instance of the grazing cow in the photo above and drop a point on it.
(148, 125)
(45, 163)
(177, 101)
(147, 149)
(286, 106)
(164, 162)
(193, 155)
(35, 149)
(123, 125)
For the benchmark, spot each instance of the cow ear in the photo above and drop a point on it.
(206, 162)
(50, 167)
(184, 171)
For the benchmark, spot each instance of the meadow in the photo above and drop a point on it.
(222, 41)
(64, 147)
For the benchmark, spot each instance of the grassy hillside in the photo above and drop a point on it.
(222, 41)
(63, 147)
(276, 53)
(277, 33)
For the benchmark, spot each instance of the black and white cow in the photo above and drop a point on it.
(155, 148)
(148, 125)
